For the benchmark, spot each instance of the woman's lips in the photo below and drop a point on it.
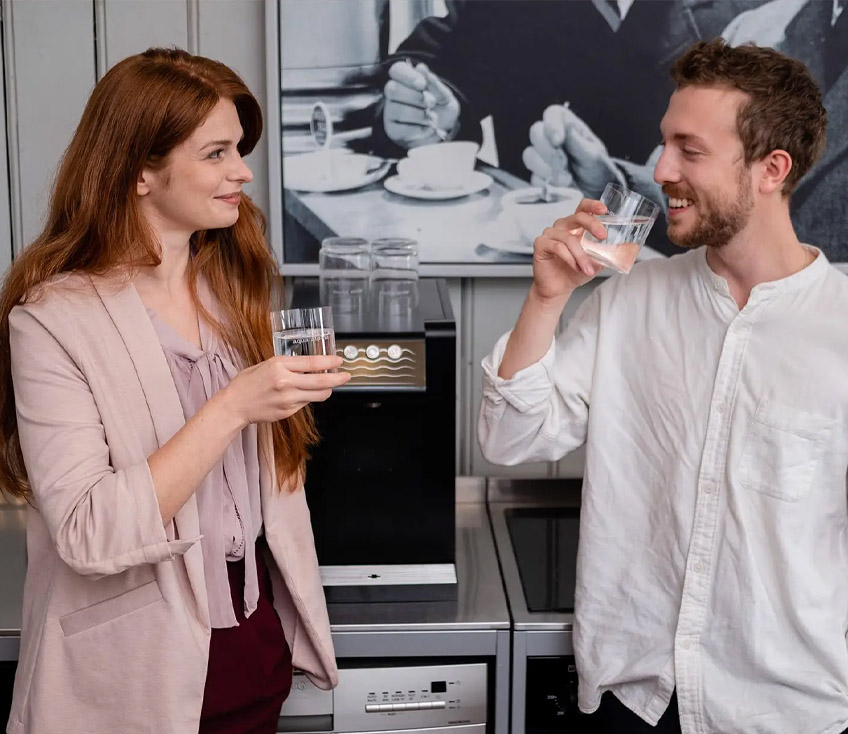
(233, 199)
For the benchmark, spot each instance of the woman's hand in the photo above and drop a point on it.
(560, 265)
(280, 386)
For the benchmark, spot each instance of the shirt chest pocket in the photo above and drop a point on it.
(782, 450)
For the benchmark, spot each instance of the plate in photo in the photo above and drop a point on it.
(333, 170)
(476, 182)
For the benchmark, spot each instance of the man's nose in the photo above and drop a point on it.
(665, 171)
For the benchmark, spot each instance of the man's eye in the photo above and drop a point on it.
(689, 153)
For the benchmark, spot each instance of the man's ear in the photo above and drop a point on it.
(776, 167)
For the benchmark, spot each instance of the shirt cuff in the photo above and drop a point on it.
(527, 388)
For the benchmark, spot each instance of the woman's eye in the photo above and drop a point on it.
(217, 153)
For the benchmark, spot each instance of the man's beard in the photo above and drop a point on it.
(718, 221)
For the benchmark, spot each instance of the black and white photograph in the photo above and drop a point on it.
(471, 125)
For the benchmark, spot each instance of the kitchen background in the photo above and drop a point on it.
(505, 60)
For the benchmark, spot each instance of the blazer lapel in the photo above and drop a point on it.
(125, 308)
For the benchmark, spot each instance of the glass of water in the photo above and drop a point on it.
(303, 332)
(628, 221)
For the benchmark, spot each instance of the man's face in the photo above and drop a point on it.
(702, 168)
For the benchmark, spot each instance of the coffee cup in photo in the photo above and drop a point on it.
(439, 166)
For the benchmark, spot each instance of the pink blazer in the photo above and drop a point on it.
(115, 619)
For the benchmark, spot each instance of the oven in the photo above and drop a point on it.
(535, 525)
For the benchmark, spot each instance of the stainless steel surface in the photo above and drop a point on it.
(505, 495)
(535, 634)
(389, 575)
(306, 699)
(12, 573)
(405, 697)
(481, 604)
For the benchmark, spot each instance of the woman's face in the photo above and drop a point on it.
(200, 185)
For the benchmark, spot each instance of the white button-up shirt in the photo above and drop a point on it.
(713, 550)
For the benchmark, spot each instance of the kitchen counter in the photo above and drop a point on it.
(480, 608)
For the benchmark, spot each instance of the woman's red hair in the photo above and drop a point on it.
(143, 107)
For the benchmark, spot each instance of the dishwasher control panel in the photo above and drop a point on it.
(391, 698)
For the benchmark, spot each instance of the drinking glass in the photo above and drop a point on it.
(394, 274)
(628, 221)
(344, 264)
(302, 332)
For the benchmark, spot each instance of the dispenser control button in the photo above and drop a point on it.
(372, 708)
(350, 352)
(438, 704)
(425, 705)
(395, 351)
(414, 706)
(372, 351)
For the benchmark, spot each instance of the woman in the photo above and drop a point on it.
(158, 441)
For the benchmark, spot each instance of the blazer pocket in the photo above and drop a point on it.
(782, 450)
(111, 609)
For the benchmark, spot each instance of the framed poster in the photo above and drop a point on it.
(425, 118)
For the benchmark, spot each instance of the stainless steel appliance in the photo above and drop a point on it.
(536, 524)
(389, 654)
(386, 697)
(381, 482)
(399, 655)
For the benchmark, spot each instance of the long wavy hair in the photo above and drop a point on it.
(143, 108)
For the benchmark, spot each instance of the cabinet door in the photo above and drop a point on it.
(127, 27)
(494, 305)
(49, 73)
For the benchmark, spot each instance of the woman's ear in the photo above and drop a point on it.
(142, 185)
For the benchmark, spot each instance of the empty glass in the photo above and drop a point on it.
(394, 274)
(344, 266)
(302, 332)
(628, 221)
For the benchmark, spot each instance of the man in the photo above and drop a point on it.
(565, 148)
(710, 391)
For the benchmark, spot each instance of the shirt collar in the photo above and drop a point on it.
(797, 281)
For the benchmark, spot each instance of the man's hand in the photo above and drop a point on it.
(559, 264)
(565, 152)
(419, 107)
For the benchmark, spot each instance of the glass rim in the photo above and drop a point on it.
(283, 319)
(652, 207)
(394, 242)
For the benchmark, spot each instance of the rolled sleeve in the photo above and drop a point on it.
(541, 413)
(102, 519)
(528, 388)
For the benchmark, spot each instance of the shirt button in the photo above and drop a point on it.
(699, 567)
(708, 487)
(720, 408)
(686, 644)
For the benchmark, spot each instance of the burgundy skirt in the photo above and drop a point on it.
(250, 666)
